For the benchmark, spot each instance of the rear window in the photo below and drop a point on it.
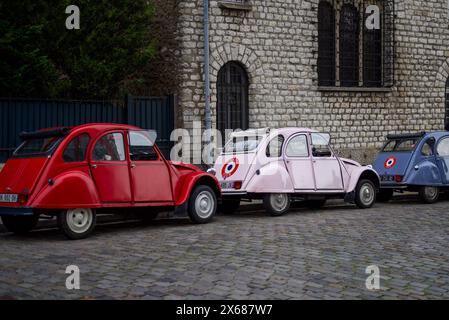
(37, 147)
(242, 144)
(401, 145)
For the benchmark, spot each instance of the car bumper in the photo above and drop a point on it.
(225, 193)
(16, 211)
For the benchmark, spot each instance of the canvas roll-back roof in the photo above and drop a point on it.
(42, 134)
(406, 135)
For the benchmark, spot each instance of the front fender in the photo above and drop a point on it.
(186, 183)
(271, 178)
(362, 172)
(427, 174)
(72, 189)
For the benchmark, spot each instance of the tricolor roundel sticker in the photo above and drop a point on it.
(390, 162)
(230, 168)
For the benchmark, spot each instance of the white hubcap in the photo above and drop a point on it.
(279, 201)
(367, 194)
(204, 204)
(79, 220)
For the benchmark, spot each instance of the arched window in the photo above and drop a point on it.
(232, 95)
(349, 46)
(372, 54)
(446, 101)
(326, 44)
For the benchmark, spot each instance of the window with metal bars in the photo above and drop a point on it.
(349, 53)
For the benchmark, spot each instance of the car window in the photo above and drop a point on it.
(274, 149)
(297, 147)
(110, 147)
(76, 149)
(320, 145)
(427, 148)
(35, 147)
(402, 145)
(141, 146)
(242, 144)
(443, 148)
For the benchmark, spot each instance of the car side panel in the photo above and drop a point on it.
(356, 173)
(71, 189)
(428, 173)
(185, 184)
(272, 178)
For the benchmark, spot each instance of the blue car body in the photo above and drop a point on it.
(424, 163)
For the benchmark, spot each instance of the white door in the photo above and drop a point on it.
(299, 163)
(326, 166)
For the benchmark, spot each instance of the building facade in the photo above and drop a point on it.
(326, 64)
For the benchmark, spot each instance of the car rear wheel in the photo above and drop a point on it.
(202, 204)
(385, 195)
(429, 194)
(365, 194)
(277, 204)
(229, 206)
(77, 223)
(20, 224)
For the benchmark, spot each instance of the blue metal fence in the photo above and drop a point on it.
(18, 115)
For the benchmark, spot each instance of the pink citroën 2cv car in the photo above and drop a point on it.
(288, 165)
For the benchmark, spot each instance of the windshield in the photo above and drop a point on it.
(401, 145)
(242, 144)
(37, 147)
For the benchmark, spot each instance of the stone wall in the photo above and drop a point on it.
(277, 43)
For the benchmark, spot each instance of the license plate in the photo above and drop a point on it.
(227, 185)
(387, 178)
(9, 198)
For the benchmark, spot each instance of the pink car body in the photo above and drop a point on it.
(287, 165)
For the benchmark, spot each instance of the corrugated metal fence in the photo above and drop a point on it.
(17, 115)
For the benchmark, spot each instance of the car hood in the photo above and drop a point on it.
(184, 166)
(350, 162)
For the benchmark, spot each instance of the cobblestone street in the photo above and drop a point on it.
(305, 254)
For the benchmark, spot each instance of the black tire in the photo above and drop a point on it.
(277, 207)
(202, 204)
(385, 195)
(20, 224)
(429, 194)
(229, 206)
(315, 204)
(67, 222)
(365, 194)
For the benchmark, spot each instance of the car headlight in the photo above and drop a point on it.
(212, 171)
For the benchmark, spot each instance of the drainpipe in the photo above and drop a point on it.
(207, 113)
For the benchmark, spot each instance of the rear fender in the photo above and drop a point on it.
(360, 173)
(72, 189)
(271, 178)
(428, 173)
(188, 182)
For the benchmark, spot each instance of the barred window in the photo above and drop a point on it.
(352, 53)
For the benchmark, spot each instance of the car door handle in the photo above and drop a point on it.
(94, 166)
(133, 166)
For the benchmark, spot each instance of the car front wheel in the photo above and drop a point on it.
(429, 194)
(20, 224)
(277, 204)
(365, 194)
(202, 204)
(77, 223)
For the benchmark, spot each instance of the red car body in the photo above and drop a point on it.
(49, 181)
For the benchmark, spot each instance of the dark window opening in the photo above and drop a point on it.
(349, 46)
(232, 104)
(372, 57)
(326, 44)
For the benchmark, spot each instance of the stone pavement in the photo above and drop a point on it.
(305, 254)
